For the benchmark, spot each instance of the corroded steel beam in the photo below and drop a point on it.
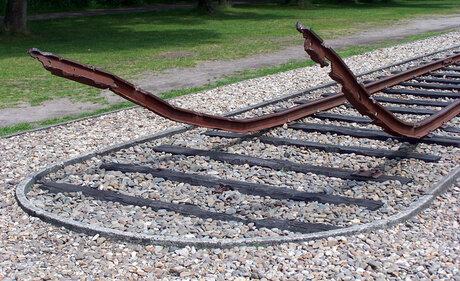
(92, 76)
(359, 95)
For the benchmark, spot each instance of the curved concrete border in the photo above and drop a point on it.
(24, 186)
(422, 203)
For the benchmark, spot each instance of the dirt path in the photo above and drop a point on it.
(207, 72)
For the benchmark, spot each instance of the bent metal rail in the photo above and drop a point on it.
(358, 95)
(331, 173)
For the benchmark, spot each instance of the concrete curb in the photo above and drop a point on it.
(21, 190)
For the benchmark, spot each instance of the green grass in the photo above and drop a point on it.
(239, 76)
(16, 128)
(134, 43)
(47, 6)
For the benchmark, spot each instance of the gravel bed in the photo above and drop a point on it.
(395, 196)
(425, 247)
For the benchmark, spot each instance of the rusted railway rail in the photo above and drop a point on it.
(360, 95)
(357, 94)
(326, 172)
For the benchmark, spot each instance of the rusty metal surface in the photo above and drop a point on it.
(92, 76)
(359, 95)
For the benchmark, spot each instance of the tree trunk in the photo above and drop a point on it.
(15, 20)
(205, 6)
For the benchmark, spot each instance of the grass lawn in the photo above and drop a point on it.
(134, 43)
(7, 130)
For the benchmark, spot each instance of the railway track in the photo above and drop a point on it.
(325, 174)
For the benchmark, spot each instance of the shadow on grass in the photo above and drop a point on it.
(130, 44)
(171, 29)
(185, 29)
